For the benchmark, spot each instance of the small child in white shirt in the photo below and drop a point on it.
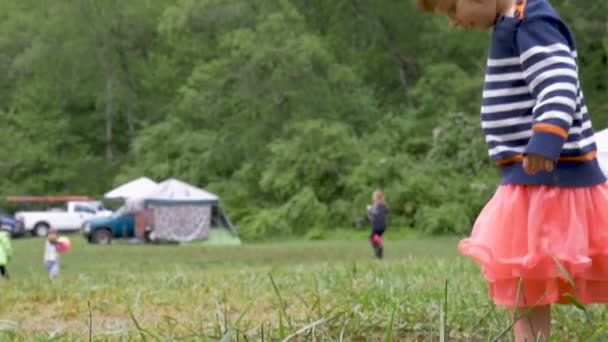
(51, 255)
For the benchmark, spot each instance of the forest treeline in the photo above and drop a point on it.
(292, 111)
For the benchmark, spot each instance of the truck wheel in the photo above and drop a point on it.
(41, 229)
(102, 237)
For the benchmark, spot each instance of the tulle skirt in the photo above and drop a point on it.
(539, 245)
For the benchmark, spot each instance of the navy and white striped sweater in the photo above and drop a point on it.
(533, 102)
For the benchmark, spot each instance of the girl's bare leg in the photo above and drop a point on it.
(537, 322)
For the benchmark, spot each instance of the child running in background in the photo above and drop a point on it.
(51, 255)
(550, 207)
(6, 252)
(377, 214)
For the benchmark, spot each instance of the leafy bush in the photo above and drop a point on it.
(304, 211)
(263, 224)
(316, 234)
(445, 219)
(296, 217)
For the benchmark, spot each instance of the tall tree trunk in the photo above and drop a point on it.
(606, 59)
(379, 28)
(130, 122)
(109, 116)
(131, 91)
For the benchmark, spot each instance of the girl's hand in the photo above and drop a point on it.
(533, 164)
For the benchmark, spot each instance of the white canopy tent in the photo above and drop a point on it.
(174, 190)
(137, 188)
(601, 140)
(178, 211)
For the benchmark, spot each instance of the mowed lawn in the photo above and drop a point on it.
(330, 290)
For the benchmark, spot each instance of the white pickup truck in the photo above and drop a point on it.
(69, 218)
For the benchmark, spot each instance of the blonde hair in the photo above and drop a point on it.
(443, 6)
(378, 196)
(448, 7)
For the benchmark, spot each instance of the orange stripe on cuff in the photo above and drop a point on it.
(551, 129)
(589, 156)
(510, 160)
(520, 157)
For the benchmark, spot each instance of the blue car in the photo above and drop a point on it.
(102, 230)
(11, 224)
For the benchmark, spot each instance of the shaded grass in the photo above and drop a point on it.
(332, 290)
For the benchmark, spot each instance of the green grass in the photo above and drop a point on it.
(332, 290)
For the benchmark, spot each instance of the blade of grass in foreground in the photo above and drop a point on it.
(564, 272)
(262, 332)
(520, 285)
(389, 331)
(229, 336)
(218, 325)
(526, 313)
(234, 331)
(281, 302)
(90, 321)
(142, 332)
(575, 302)
(444, 315)
(282, 333)
(312, 326)
(572, 297)
(242, 315)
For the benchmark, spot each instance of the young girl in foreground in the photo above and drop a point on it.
(551, 204)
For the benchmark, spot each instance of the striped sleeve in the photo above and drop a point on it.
(550, 72)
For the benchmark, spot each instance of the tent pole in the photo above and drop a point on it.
(226, 219)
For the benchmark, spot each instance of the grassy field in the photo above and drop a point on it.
(308, 290)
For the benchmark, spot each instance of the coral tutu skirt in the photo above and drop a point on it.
(530, 239)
